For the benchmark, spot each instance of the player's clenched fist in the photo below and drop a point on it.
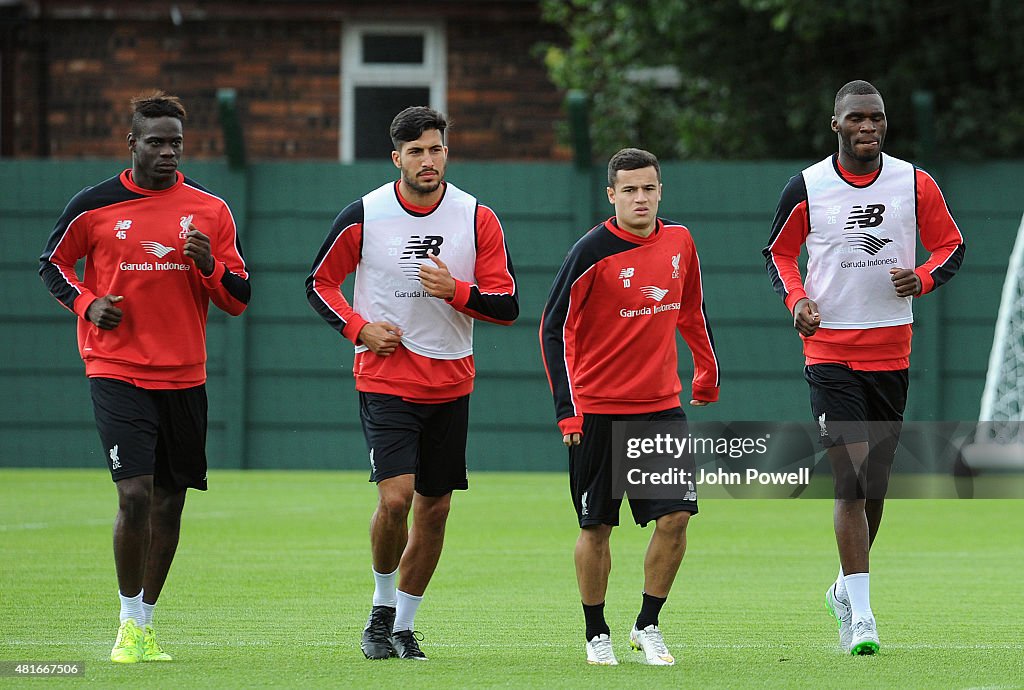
(906, 282)
(806, 318)
(197, 248)
(104, 314)
(437, 281)
(381, 337)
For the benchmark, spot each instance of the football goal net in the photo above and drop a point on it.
(999, 441)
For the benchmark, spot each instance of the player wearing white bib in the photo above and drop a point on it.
(429, 259)
(859, 213)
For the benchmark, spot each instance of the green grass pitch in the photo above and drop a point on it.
(271, 587)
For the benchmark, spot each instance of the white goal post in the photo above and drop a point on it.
(999, 441)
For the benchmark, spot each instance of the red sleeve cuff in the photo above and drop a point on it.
(462, 290)
(705, 393)
(352, 328)
(82, 303)
(212, 281)
(927, 282)
(571, 425)
(793, 297)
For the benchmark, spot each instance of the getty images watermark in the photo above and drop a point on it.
(671, 447)
(680, 459)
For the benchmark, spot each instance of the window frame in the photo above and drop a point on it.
(431, 74)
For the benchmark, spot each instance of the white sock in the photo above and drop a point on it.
(384, 589)
(131, 607)
(147, 613)
(858, 586)
(405, 611)
(841, 585)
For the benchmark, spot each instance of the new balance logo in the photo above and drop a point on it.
(419, 247)
(869, 216)
(115, 462)
(625, 274)
(866, 242)
(121, 229)
(653, 292)
(156, 249)
(416, 249)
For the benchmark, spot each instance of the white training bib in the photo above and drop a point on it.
(396, 242)
(857, 234)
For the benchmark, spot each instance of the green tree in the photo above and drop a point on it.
(757, 78)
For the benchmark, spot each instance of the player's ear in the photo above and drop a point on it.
(835, 124)
(396, 158)
(611, 195)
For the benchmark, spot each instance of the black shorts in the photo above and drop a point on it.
(852, 406)
(591, 474)
(157, 432)
(424, 439)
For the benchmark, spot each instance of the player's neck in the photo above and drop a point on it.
(852, 166)
(643, 232)
(413, 198)
(144, 181)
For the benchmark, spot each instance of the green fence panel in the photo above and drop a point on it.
(281, 387)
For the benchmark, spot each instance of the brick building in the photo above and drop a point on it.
(313, 79)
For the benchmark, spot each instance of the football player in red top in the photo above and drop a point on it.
(158, 248)
(608, 339)
(860, 213)
(429, 261)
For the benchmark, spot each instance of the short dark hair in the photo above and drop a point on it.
(412, 122)
(857, 87)
(631, 159)
(155, 104)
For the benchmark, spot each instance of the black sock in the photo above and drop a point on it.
(594, 616)
(649, 611)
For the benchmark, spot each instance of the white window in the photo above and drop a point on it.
(386, 67)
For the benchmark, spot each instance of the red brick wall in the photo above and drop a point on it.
(284, 63)
(500, 99)
(286, 77)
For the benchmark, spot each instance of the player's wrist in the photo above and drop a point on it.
(794, 298)
(571, 425)
(460, 293)
(82, 304)
(217, 270)
(353, 330)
